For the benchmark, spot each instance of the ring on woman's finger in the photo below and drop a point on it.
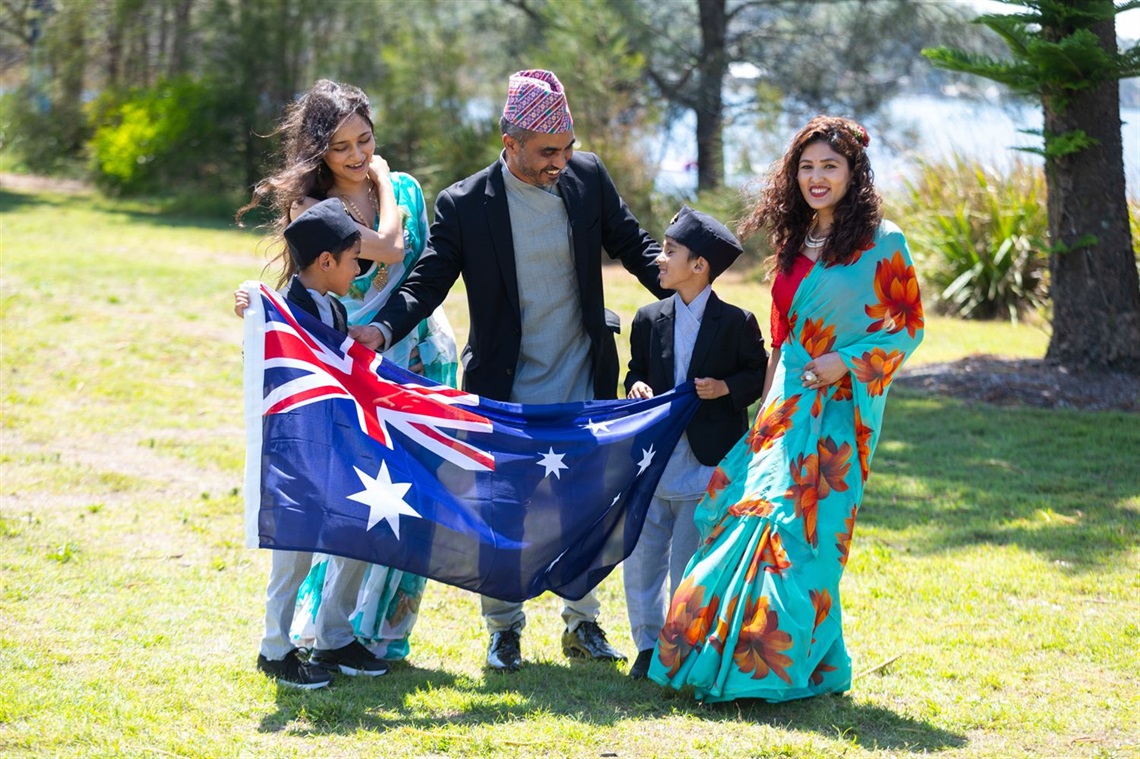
(810, 376)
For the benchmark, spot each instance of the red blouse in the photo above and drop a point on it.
(783, 290)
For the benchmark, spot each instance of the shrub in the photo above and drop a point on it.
(980, 237)
(161, 138)
(43, 137)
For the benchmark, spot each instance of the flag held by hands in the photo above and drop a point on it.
(349, 454)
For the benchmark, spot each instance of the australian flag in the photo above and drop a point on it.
(349, 454)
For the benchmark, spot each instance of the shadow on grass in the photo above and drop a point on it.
(430, 701)
(1054, 482)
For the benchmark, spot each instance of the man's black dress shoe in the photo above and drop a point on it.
(588, 641)
(504, 654)
(640, 668)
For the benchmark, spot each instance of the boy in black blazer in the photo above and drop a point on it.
(692, 335)
(324, 243)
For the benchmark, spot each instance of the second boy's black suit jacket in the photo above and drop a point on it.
(729, 347)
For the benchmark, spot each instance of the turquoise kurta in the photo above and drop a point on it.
(389, 599)
(758, 613)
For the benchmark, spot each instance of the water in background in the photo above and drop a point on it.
(923, 127)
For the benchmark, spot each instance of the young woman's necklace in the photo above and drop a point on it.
(814, 243)
(381, 277)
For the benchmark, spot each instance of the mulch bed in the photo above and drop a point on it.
(1024, 382)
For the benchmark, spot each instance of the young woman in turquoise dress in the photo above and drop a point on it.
(329, 151)
(758, 613)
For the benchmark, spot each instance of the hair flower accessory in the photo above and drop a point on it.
(860, 134)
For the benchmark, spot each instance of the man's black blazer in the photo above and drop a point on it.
(471, 237)
(729, 347)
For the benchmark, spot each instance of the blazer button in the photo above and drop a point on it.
(518, 331)
(510, 372)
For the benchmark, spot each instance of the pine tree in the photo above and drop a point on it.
(1064, 53)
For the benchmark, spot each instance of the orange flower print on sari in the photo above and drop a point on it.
(774, 421)
(751, 506)
(833, 466)
(805, 493)
(759, 647)
(817, 676)
(821, 601)
(718, 482)
(843, 389)
(689, 623)
(844, 538)
(863, 444)
(899, 306)
(876, 368)
(817, 339)
(716, 640)
(769, 554)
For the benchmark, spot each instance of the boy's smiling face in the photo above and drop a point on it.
(337, 275)
(677, 269)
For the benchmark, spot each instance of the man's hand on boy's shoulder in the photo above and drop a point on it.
(709, 388)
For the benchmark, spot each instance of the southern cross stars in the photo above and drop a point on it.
(384, 499)
(646, 459)
(552, 462)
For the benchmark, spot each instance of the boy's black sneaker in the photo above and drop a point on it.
(294, 673)
(353, 659)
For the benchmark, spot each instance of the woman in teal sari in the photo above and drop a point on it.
(758, 612)
(329, 148)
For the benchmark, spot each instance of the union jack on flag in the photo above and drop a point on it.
(349, 454)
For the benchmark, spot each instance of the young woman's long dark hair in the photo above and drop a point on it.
(782, 210)
(307, 127)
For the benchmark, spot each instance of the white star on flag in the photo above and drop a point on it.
(384, 499)
(596, 427)
(553, 463)
(646, 459)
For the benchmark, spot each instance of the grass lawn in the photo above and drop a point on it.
(991, 600)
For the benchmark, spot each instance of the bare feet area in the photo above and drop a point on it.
(1025, 382)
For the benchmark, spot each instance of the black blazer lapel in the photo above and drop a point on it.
(662, 354)
(300, 297)
(340, 316)
(498, 217)
(706, 335)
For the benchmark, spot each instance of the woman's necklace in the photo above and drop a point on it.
(381, 277)
(814, 243)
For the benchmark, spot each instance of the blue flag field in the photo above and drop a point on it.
(349, 454)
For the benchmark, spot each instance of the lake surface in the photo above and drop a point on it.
(923, 127)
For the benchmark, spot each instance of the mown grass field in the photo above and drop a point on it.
(995, 565)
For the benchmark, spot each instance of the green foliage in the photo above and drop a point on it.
(1054, 54)
(42, 137)
(155, 139)
(981, 238)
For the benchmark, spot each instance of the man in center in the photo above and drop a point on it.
(527, 235)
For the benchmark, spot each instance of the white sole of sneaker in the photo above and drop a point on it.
(302, 686)
(354, 672)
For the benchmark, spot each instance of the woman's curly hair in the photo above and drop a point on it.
(782, 210)
(307, 129)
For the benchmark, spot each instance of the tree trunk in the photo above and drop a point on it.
(1095, 288)
(710, 103)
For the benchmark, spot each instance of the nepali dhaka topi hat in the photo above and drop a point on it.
(322, 227)
(536, 102)
(705, 237)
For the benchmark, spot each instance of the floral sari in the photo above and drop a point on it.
(389, 599)
(758, 612)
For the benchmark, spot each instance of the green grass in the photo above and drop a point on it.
(996, 556)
